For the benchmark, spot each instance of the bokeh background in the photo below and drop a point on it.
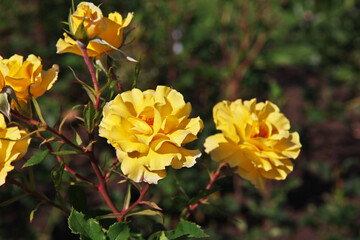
(303, 55)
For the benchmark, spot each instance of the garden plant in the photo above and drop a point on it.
(133, 159)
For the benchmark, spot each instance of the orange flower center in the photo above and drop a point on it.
(147, 115)
(262, 131)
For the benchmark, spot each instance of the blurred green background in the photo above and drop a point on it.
(302, 55)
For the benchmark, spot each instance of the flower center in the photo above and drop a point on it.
(147, 115)
(262, 131)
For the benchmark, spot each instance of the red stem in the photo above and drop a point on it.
(102, 186)
(38, 195)
(212, 180)
(67, 168)
(107, 175)
(125, 211)
(83, 50)
(47, 127)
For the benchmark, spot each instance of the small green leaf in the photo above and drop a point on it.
(56, 175)
(37, 158)
(137, 73)
(151, 204)
(33, 212)
(146, 212)
(127, 197)
(158, 236)
(89, 116)
(87, 228)
(80, 33)
(119, 231)
(37, 109)
(202, 194)
(66, 152)
(5, 105)
(89, 90)
(185, 228)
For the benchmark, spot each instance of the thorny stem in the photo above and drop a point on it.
(47, 127)
(126, 210)
(82, 47)
(101, 187)
(107, 175)
(38, 195)
(212, 180)
(67, 168)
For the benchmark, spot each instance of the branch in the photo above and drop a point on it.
(212, 180)
(83, 49)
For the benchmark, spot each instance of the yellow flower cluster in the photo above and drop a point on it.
(24, 76)
(108, 29)
(10, 150)
(255, 138)
(148, 130)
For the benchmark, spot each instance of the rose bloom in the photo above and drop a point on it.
(255, 138)
(149, 130)
(10, 151)
(24, 75)
(91, 16)
(112, 34)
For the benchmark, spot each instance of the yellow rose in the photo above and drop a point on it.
(149, 130)
(113, 35)
(255, 138)
(10, 151)
(21, 75)
(92, 19)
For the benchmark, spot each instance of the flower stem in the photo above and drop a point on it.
(47, 127)
(101, 186)
(126, 210)
(212, 180)
(38, 195)
(83, 50)
(67, 168)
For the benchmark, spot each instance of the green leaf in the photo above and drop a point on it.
(66, 152)
(117, 54)
(89, 90)
(146, 212)
(89, 116)
(185, 228)
(56, 175)
(151, 204)
(37, 158)
(37, 109)
(119, 231)
(87, 228)
(127, 197)
(202, 194)
(5, 105)
(33, 212)
(77, 197)
(137, 73)
(158, 236)
(80, 33)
